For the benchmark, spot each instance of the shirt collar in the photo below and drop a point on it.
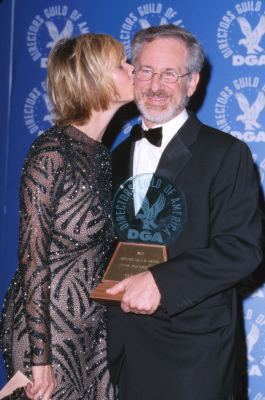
(170, 128)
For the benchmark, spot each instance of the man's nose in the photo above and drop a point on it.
(155, 81)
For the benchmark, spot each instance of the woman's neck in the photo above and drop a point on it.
(97, 124)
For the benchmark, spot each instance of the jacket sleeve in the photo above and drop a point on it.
(234, 246)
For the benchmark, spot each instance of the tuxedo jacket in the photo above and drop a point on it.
(187, 349)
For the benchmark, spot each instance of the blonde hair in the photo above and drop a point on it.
(78, 76)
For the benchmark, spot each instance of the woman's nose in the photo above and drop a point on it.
(130, 69)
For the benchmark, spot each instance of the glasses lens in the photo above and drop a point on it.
(169, 77)
(144, 74)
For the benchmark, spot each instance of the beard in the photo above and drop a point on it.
(171, 110)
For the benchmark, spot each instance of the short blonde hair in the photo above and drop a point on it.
(78, 76)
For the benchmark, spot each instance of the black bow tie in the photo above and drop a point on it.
(154, 136)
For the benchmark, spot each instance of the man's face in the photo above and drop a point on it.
(159, 102)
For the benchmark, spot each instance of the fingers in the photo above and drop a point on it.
(37, 392)
(137, 309)
(48, 392)
(141, 294)
(136, 305)
(44, 383)
(119, 287)
(28, 390)
(32, 390)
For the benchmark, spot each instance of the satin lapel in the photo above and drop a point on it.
(177, 153)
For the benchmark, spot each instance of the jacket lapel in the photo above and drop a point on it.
(177, 153)
(174, 158)
(122, 163)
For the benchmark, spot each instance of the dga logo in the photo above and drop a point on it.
(260, 162)
(241, 34)
(38, 110)
(54, 23)
(148, 208)
(125, 131)
(254, 318)
(240, 109)
(145, 16)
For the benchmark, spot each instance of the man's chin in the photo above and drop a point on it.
(154, 118)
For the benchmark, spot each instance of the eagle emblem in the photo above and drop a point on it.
(150, 212)
(250, 112)
(252, 37)
(55, 35)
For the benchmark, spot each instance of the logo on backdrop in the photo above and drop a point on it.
(144, 16)
(125, 130)
(260, 163)
(53, 23)
(255, 323)
(38, 110)
(241, 34)
(240, 109)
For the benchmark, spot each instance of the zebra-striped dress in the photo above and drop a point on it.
(65, 239)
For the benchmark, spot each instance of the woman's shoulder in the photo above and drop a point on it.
(49, 145)
(52, 139)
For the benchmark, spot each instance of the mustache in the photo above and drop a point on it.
(159, 93)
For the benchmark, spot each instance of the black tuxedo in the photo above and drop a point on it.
(187, 350)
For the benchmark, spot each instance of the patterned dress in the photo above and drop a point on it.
(65, 240)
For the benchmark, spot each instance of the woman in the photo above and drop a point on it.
(52, 331)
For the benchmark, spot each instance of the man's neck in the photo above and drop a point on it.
(181, 116)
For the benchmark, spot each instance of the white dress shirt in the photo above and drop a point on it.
(146, 156)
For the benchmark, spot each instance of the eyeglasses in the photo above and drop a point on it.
(145, 74)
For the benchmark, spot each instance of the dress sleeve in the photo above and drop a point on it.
(41, 181)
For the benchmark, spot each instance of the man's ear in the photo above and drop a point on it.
(193, 82)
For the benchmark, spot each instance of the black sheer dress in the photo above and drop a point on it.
(65, 240)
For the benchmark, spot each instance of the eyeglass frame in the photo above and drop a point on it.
(160, 75)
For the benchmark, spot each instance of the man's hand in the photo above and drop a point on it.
(141, 294)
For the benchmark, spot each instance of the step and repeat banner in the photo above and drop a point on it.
(231, 98)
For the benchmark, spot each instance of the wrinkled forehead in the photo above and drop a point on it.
(163, 53)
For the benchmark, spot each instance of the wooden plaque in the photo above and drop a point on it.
(128, 259)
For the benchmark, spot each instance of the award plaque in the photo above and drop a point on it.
(148, 213)
(128, 259)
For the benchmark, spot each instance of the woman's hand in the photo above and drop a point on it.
(44, 383)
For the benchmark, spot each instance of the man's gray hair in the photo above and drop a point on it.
(195, 51)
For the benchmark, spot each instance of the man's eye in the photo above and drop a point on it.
(170, 74)
(146, 71)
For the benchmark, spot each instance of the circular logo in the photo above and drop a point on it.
(53, 24)
(148, 208)
(38, 113)
(240, 109)
(241, 34)
(260, 162)
(254, 318)
(125, 131)
(143, 17)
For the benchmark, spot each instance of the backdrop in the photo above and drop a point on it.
(231, 97)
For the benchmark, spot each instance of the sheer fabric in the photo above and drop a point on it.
(65, 239)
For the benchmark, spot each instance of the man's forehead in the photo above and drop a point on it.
(163, 51)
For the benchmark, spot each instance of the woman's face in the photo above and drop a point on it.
(122, 75)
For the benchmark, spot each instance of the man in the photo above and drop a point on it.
(175, 336)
